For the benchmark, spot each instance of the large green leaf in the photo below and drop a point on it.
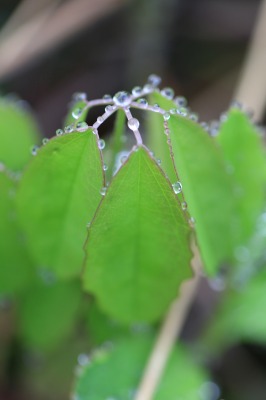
(241, 314)
(15, 265)
(58, 195)
(47, 313)
(18, 133)
(121, 370)
(206, 186)
(138, 245)
(245, 157)
(207, 189)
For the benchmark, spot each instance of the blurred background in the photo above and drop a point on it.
(50, 49)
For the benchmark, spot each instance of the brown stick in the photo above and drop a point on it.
(170, 329)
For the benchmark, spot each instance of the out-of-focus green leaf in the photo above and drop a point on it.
(101, 328)
(138, 245)
(121, 370)
(241, 314)
(77, 113)
(16, 270)
(18, 133)
(245, 157)
(47, 313)
(58, 195)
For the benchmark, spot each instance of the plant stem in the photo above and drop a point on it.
(169, 331)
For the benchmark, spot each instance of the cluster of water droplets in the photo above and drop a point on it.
(127, 101)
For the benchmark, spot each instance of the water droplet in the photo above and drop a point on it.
(108, 108)
(69, 128)
(107, 97)
(194, 117)
(59, 132)
(136, 91)
(205, 126)
(88, 224)
(147, 88)
(183, 111)
(133, 124)
(209, 390)
(48, 277)
(168, 93)
(123, 159)
(180, 101)
(100, 120)
(173, 111)
(166, 116)
(143, 102)
(192, 222)
(156, 107)
(83, 359)
(159, 161)
(77, 113)
(105, 167)
(177, 187)
(154, 80)
(184, 205)
(95, 131)
(223, 117)
(236, 104)
(82, 126)
(45, 141)
(80, 96)
(103, 191)
(101, 144)
(34, 150)
(122, 99)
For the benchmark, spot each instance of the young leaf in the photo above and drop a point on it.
(58, 195)
(245, 157)
(138, 245)
(18, 133)
(47, 314)
(181, 379)
(16, 270)
(241, 315)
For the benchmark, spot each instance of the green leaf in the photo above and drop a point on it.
(18, 133)
(101, 328)
(58, 195)
(138, 245)
(207, 190)
(47, 314)
(245, 158)
(121, 370)
(241, 314)
(16, 269)
(78, 107)
(206, 187)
